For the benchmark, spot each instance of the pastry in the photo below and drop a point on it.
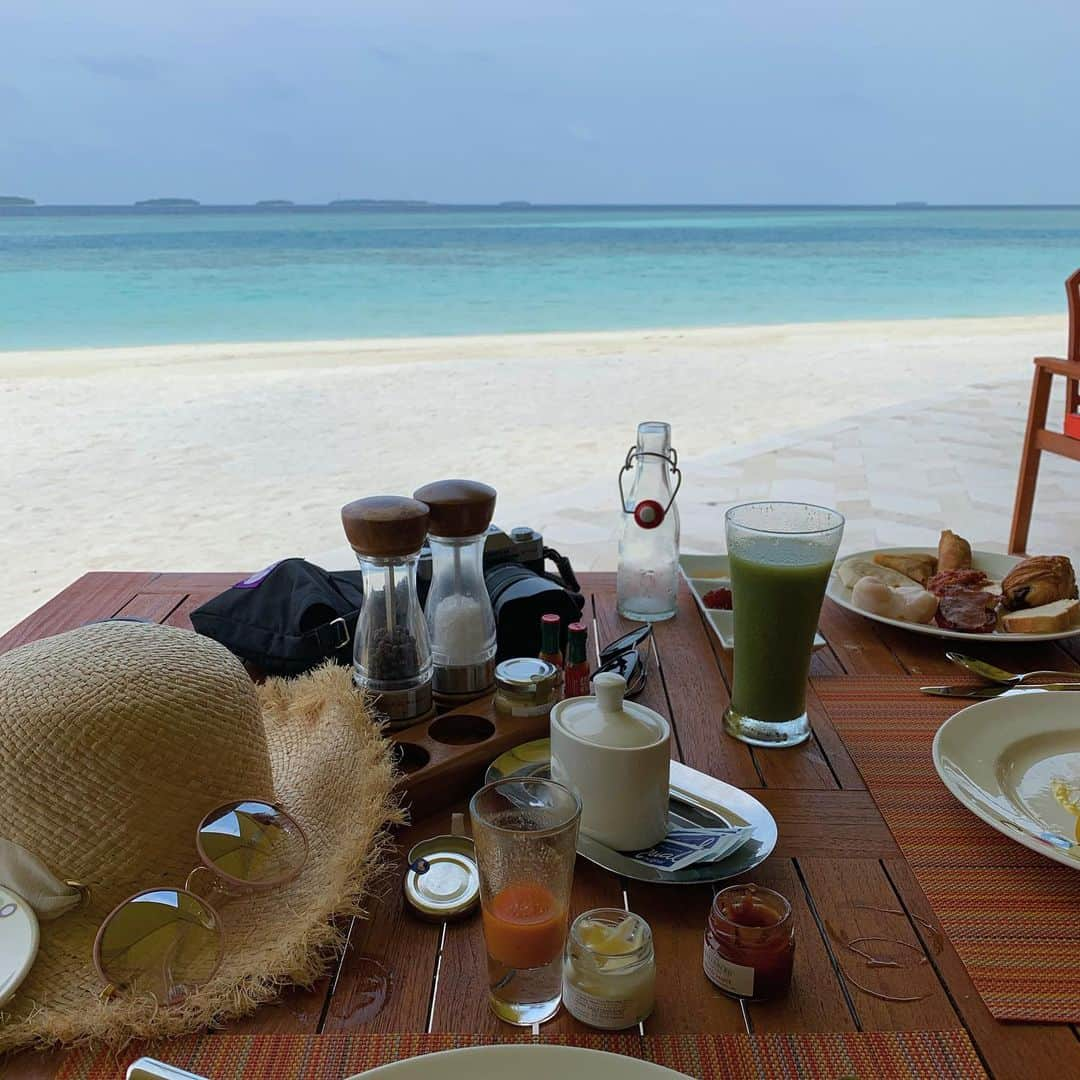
(1047, 619)
(1039, 580)
(906, 603)
(850, 571)
(953, 552)
(919, 568)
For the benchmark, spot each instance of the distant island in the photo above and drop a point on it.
(168, 202)
(358, 204)
(16, 200)
(514, 204)
(275, 202)
(912, 205)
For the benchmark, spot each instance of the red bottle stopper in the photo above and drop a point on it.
(648, 514)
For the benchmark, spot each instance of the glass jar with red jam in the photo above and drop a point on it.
(750, 942)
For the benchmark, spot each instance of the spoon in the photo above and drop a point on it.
(999, 675)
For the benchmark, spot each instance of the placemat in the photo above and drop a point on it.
(1012, 915)
(865, 1055)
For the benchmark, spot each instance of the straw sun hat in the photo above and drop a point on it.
(115, 740)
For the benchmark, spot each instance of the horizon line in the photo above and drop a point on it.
(522, 204)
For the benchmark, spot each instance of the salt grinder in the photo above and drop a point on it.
(461, 623)
(392, 654)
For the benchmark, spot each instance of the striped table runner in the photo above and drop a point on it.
(866, 1055)
(1012, 915)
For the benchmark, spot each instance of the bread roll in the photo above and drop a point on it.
(906, 603)
(852, 570)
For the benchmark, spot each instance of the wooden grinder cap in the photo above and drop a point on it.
(385, 526)
(458, 507)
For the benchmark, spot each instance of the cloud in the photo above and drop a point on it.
(125, 68)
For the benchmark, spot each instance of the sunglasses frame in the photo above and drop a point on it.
(629, 645)
(236, 884)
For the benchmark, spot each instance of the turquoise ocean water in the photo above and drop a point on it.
(100, 277)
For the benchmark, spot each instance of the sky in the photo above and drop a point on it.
(728, 101)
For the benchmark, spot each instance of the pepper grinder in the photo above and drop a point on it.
(460, 621)
(392, 654)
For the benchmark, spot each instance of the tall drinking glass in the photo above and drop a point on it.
(525, 831)
(781, 555)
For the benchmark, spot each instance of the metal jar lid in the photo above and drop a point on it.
(528, 676)
(442, 880)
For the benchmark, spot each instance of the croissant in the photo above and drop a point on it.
(1039, 580)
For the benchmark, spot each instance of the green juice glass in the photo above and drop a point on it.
(781, 555)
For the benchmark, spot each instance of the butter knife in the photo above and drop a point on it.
(992, 691)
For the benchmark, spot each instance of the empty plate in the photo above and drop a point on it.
(1014, 761)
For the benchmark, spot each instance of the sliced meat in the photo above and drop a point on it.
(969, 610)
(948, 580)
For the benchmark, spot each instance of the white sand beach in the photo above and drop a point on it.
(226, 457)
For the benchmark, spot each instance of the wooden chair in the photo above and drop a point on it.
(1038, 438)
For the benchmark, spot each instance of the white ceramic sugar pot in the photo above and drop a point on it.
(616, 755)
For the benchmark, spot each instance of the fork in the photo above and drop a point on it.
(1002, 677)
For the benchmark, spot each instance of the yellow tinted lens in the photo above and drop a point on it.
(165, 942)
(252, 843)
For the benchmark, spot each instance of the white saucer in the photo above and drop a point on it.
(18, 941)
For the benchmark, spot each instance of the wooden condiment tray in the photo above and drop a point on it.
(444, 760)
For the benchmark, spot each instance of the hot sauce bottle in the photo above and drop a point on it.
(576, 675)
(550, 649)
(749, 942)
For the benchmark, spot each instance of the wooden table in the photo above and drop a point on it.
(834, 853)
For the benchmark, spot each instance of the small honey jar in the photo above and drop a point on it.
(749, 942)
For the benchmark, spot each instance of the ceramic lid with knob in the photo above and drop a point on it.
(608, 720)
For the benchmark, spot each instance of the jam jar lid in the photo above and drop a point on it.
(527, 676)
(442, 880)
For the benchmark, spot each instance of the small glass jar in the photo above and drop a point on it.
(526, 686)
(750, 942)
(609, 969)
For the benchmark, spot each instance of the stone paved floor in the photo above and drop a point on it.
(899, 476)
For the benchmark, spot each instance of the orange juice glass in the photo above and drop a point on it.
(525, 830)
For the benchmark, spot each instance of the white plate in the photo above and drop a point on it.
(18, 941)
(522, 1063)
(998, 758)
(705, 572)
(993, 564)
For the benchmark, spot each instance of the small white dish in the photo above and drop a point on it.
(18, 941)
(522, 1062)
(995, 565)
(706, 572)
(999, 757)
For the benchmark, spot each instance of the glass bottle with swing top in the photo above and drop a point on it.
(647, 581)
(392, 654)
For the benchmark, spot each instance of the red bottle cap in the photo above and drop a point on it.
(648, 514)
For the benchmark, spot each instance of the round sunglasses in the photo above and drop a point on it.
(168, 941)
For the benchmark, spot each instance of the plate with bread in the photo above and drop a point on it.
(954, 592)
